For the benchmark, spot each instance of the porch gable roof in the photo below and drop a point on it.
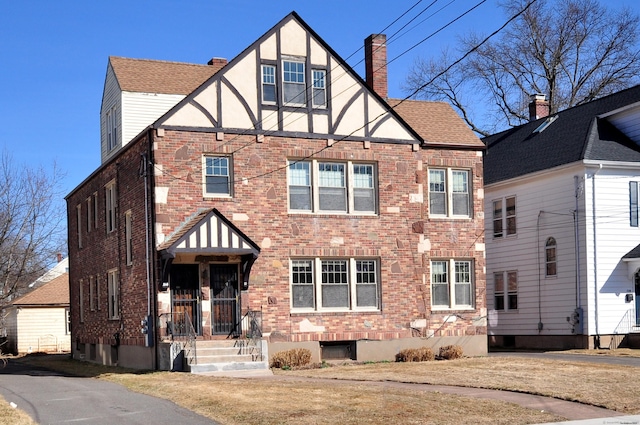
(208, 231)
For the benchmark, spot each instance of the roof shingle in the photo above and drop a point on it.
(54, 292)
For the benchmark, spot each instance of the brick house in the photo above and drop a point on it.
(275, 193)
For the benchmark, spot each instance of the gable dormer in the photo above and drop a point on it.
(290, 82)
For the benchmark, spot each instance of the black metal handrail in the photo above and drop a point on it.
(179, 328)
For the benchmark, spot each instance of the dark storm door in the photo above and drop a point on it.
(185, 289)
(225, 299)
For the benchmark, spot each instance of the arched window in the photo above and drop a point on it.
(551, 257)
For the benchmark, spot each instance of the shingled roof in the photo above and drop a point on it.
(52, 293)
(436, 122)
(154, 76)
(579, 133)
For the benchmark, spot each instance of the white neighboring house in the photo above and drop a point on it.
(562, 226)
(39, 320)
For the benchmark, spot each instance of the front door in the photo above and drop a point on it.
(225, 299)
(185, 291)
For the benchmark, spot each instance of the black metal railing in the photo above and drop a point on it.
(251, 335)
(178, 328)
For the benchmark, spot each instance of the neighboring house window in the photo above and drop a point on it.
(81, 300)
(217, 175)
(294, 88)
(113, 286)
(551, 258)
(344, 187)
(268, 84)
(451, 284)
(79, 224)
(335, 284)
(128, 237)
(504, 217)
(319, 88)
(92, 294)
(67, 316)
(110, 204)
(449, 193)
(112, 129)
(633, 204)
(505, 290)
(89, 214)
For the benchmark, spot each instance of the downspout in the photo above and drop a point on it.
(152, 303)
(576, 217)
(540, 324)
(596, 342)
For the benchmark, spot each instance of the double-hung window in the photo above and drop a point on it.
(505, 288)
(551, 257)
(451, 284)
(319, 88)
(128, 237)
(269, 84)
(293, 80)
(504, 217)
(110, 205)
(113, 289)
(449, 193)
(633, 204)
(336, 187)
(335, 284)
(112, 129)
(79, 224)
(217, 175)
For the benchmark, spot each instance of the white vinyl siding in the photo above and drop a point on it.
(40, 329)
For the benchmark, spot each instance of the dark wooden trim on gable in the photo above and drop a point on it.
(204, 111)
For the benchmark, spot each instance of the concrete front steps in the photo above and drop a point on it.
(230, 357)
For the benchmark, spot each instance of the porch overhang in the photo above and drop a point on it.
(632, 258)
(210, 236)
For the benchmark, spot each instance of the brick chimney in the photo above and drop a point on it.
(219, 62)
(538, 107)
(375, 58)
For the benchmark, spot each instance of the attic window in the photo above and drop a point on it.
(546, 123)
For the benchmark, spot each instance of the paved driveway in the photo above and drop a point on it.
(589, 358)
(51, 398)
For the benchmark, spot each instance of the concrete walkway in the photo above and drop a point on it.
(52, 398)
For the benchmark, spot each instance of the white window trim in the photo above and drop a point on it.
(504, 218)
(81, 300)
(349, 185)
(317, 286)
(113, 290)
(452, 285)
(505, 292)
(128, 237)
(79, 224)
(449, 193)
(303, 84)
(95, 210)
(110, 206)
(89, 214)
(92, 294)
(275, 83)
(547, 248)
(314, 88)
(206, 194)
(112, 129)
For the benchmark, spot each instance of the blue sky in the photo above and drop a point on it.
(54, 55)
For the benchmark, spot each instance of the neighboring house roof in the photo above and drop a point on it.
(634, 253)
(154, 76)
(54, 292)
(583, 132)
(436, 122)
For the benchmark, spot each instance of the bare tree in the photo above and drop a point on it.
(32, 224)
(573, 51)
